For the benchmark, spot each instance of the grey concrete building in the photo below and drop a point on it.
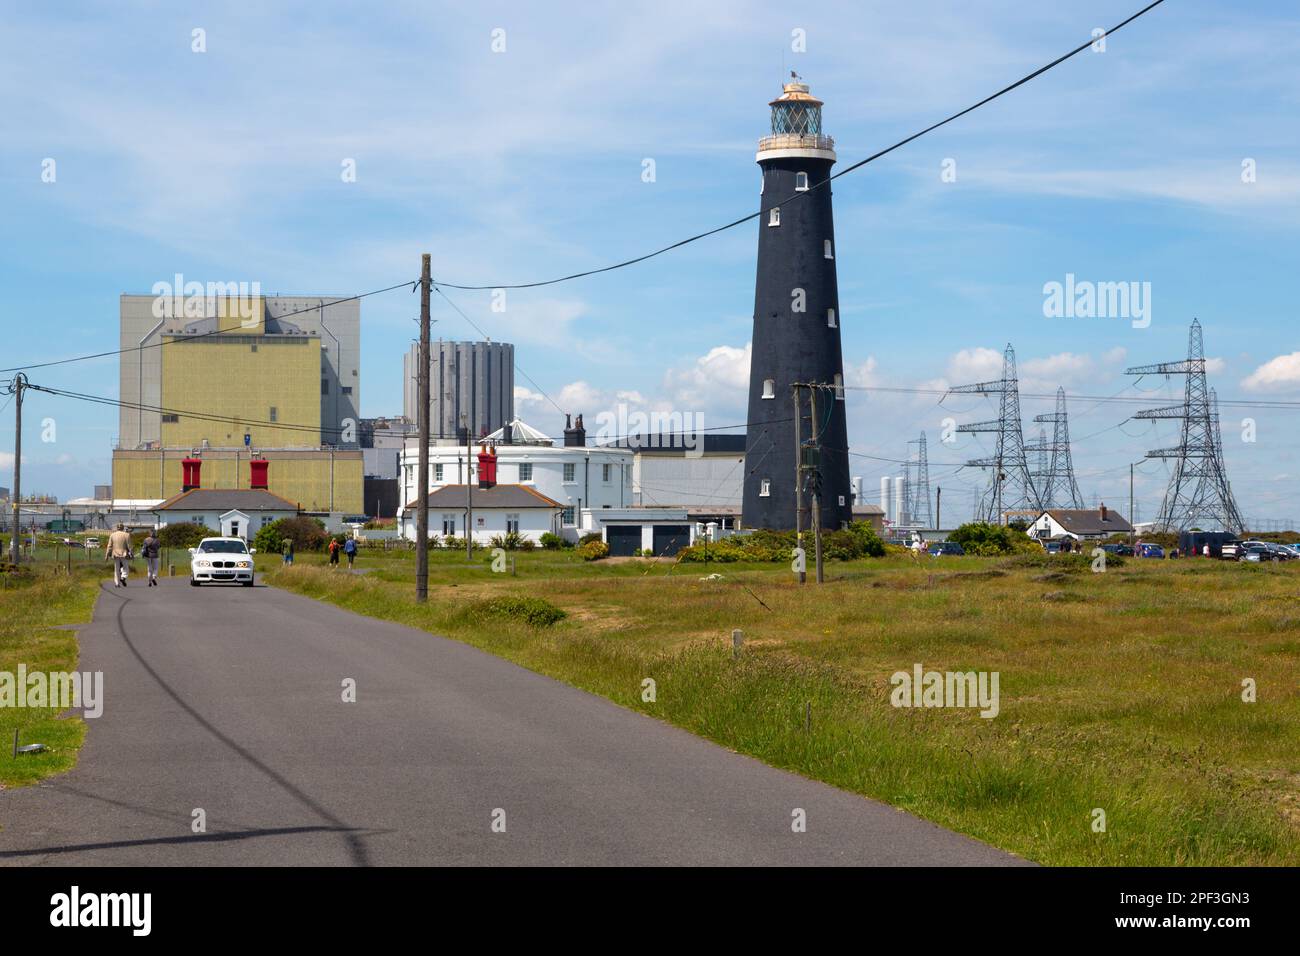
(338, 324)
(470, 380)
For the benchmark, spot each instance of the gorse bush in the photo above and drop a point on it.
(859, 540)
(307, 534)
(593, 550)
(185, 534)
(552, 541)
(981, 538)
(533, 611)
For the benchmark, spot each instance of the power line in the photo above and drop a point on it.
(190, 338)
(813, 186)
(487, 337)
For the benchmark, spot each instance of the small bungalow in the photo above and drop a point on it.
(1078, 524)
(234, 512)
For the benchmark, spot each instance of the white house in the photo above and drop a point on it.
(492, 511)
(1080, 524)
(233, 512)
(573, 475)
(627, 531)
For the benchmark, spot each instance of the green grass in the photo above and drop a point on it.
(30, 612)
(1119, 691)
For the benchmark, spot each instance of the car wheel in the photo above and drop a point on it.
(193, 583)
(248, 584)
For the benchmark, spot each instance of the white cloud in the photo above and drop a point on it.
(715, 382)
(975, 365)
(1214, 366)
(1282, 372)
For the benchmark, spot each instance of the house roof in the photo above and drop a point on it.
(498, 496)
(866, 509)
(226, 499)
(521, 433)
(1089, 521)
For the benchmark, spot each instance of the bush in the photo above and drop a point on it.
(552, 541)
(185, 534)
(527, 544)
(593, 550)
(307, 534)
(981, 538)
(859, 540)
(533, 611)
(589, 537)
(510, 541)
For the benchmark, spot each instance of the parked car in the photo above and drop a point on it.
(1291, 549)
(227, 560)
(91, 544)
(1121, 550)
(1150, 551)
(941, 548)
(1052, 547)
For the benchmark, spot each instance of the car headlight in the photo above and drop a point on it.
(244, 564)
(203, 564)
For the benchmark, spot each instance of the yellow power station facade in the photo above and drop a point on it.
(231, 386)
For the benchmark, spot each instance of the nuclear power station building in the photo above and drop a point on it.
(471, 386)
(796, 339)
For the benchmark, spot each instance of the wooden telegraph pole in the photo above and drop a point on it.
(798, 475)
(422, 418)
(16, 389)
(815, 471)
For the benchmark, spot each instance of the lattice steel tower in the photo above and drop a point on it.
(1054, 477)
(918, 487)
(1012, 486)
(1199, 495)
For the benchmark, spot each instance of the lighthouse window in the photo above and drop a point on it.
(765, 488)
(830, 319)
(800, 182)
(839, 386)
(769, 388)
(826, 249)
(774, 216)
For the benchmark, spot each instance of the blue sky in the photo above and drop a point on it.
(1123, 165)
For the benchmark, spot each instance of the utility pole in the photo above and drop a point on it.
(816, 479)
(798, 476)
(938, 505)
(422, 420)
(469, 498)
(1131, 517)
(16, 389)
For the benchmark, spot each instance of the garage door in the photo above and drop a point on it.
(671, 538)
(623, 540)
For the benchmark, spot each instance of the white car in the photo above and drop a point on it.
(222, 560)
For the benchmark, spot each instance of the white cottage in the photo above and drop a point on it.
(233, 512)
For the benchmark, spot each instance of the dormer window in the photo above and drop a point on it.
(839, 386)
(769, 388)
(765, 488)
(830, 319)
(800, 182)
(827, 251)
(774, 216)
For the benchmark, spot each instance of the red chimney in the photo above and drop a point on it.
(257, 468)
(190, 473)
(1102, 511)
(487, 468)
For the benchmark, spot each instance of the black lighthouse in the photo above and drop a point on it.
(796, 327)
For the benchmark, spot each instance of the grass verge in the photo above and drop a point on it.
(1120, 692)
(31, 612)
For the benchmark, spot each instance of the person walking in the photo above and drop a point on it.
(350, 549)
(286, 549)
(149, 550)
(334, 551)
(119, 549)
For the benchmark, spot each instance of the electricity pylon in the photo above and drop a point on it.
(1199, 495)
(1012, 486)
(1055, 475)
(918, 487)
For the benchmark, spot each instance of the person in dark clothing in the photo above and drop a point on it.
(334, 551)
(149, 550)
(350, 549)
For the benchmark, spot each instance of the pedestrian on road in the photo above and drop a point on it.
(286, 549)
(334, 551)
(119, 549)
(149, 551)
(350, 549)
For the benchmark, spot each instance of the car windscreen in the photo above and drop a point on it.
(222, 547)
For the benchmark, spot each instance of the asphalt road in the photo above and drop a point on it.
(229, 700)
